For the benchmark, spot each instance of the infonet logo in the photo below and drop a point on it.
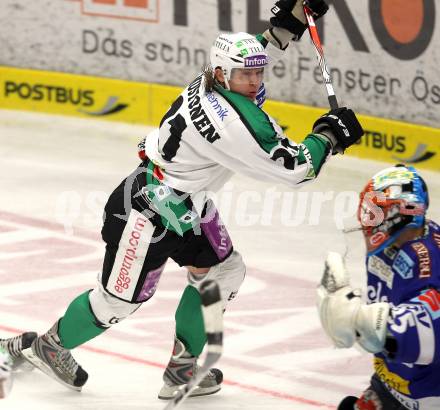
(257, 61)
(110, 107)
(421, 154)
(143, 10)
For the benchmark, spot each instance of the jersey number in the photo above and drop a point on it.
(177, 126)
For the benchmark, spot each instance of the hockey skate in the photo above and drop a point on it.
(5, 373)
(48, 355)
(14, 347)
(181, 368)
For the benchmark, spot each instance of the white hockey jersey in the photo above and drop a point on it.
(207, 136)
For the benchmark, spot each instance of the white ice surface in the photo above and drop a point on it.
(60, 170)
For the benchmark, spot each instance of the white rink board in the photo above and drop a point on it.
(276, 356)
(385, 57)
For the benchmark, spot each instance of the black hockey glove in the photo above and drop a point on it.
(289, 14)
(317, 7)
(343, 125)
(348, 403)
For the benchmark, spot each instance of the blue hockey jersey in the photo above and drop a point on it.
(409, 279)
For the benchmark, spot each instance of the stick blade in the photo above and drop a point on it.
(210, 293)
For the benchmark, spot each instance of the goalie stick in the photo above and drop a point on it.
(325, 71)
(212, 309)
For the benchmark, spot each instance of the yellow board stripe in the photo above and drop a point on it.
(145, 103)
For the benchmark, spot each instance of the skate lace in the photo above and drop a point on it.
(65, 361)
(13, 345)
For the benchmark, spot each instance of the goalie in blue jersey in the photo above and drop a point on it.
(400, 323)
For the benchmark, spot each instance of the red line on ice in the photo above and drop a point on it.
(249, 387)
(81, 232)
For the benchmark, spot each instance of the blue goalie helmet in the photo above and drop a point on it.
(394, 199)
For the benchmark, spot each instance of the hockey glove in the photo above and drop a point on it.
(343, 125)
(344, 317)
(289, 14)
(141, 149)
(370, 400)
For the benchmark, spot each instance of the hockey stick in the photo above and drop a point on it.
(325, 71)
(212, 309)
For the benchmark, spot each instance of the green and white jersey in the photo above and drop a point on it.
(205, 137)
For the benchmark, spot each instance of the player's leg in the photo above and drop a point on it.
(213, 248)
(129, 277)
(190, 333)
(15, 345)
(183, 363)
(5, 372)
(376, 397)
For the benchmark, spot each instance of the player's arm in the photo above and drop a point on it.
(288, 23)
(406, 333)
(279, 160)
(413, 330)
(255, 145)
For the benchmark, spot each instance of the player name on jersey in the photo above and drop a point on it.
(424, 259)
(198, 114)
(436, 237)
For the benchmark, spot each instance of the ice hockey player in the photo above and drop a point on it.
(5, 373)
(11, 359)
(13, 346)
(400, 324)
(213, 129)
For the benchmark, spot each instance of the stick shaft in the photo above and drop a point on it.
(325, 71)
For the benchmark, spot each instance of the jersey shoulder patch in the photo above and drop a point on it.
(430, 298)
(403, 265)
(219, 109)
(378, 267)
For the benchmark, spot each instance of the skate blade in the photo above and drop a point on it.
(197, 392)
(21, 365)
(29, 355)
